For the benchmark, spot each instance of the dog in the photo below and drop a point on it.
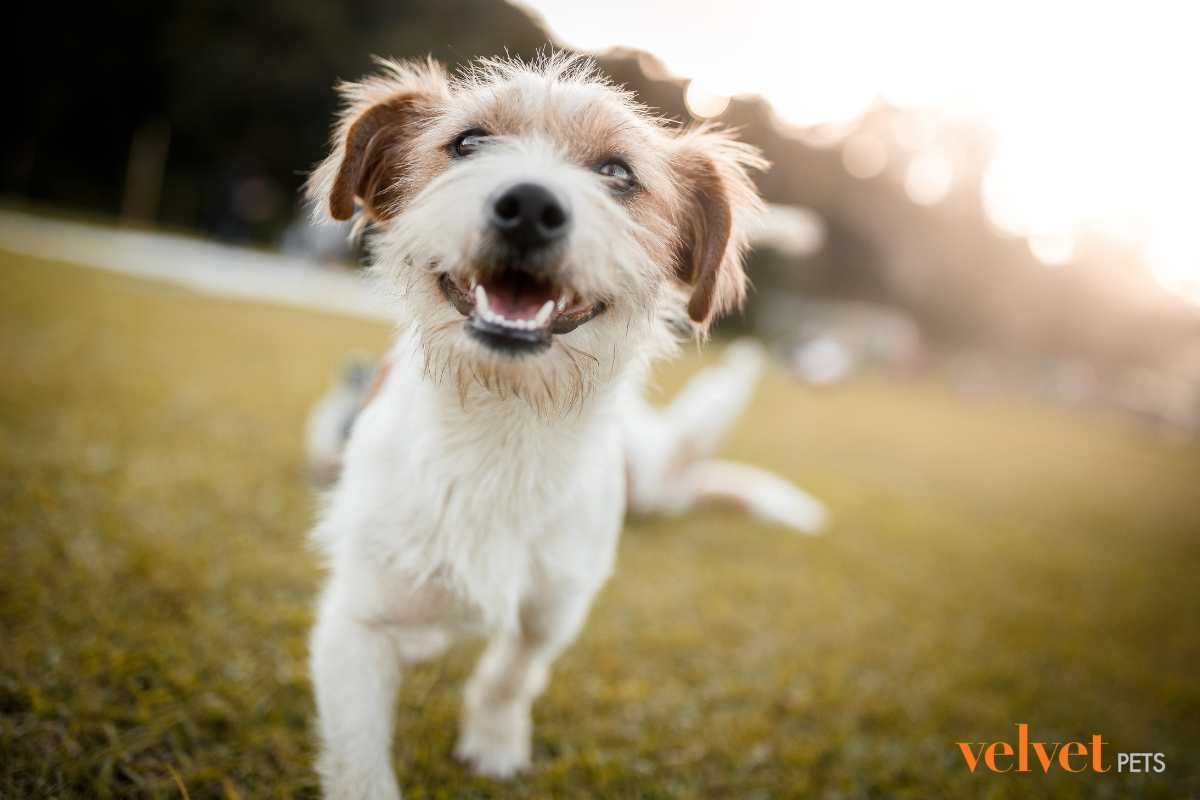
(669, 464)
(546, 238)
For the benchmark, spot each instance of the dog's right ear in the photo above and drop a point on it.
(371, 146)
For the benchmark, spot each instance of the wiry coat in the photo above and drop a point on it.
(480, 491)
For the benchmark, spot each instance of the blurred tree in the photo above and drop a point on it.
(246, 90)
(208, 115)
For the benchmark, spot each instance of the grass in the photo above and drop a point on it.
(992, 562)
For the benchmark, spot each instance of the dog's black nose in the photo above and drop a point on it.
(528, 216)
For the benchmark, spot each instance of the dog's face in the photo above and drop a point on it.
(543, 228)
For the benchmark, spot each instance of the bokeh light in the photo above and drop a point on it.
(1052, 249)
(703, 103)
(864, 155)
(928, 178)
(790, 230)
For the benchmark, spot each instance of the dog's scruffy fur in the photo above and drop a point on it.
(484, 485)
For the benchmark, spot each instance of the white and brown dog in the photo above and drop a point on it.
(546, 237)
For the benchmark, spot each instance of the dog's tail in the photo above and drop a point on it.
(332, 418)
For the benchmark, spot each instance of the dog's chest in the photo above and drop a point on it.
(484, 506)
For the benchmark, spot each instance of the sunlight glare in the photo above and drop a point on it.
(1089, 106)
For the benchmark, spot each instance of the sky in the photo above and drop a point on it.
(1091, 106)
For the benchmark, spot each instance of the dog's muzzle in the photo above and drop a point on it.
(513, 303)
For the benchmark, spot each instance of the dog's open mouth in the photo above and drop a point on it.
(515, 312)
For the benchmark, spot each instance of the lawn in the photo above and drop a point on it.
(991, 562)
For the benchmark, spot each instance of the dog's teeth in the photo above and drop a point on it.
(484, 312)
(474, 283)
(562, 301)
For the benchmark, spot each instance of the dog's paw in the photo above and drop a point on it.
(495, 742)
(799, 512)
(802, 515)
(344, 776)
(494, 759)
(776, 500)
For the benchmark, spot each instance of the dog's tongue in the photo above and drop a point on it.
(517, 296)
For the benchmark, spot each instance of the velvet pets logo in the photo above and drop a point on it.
(1033, 756)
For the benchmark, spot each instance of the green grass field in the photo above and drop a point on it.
(992, 562)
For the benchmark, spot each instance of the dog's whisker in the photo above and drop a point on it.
(583, 353)
(549, 392)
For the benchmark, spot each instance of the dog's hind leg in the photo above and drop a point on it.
(761, 493)
(700, 416)
(669, 451)
(660, 444)
(496, 723)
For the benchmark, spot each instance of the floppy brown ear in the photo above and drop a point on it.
(720, 200)
(370, 150)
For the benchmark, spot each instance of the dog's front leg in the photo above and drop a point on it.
(497, 727)
(356, 671)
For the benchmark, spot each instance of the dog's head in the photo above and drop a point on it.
(544, 229)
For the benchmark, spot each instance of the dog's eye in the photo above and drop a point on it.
(468, 142)
(618, 173)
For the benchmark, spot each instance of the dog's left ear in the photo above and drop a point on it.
(370, 150)
(720, 201)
